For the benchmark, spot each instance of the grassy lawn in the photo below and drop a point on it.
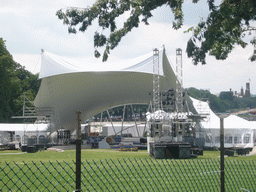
(70, 155)
(112, 170)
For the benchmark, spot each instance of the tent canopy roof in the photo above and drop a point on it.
(61, 65)
(92, 87)
(234, 121)
(22, 127)
(213, 121)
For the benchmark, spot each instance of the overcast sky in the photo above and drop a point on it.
(31, 25)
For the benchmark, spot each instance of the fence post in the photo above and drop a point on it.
(222, 167)
(78, 152)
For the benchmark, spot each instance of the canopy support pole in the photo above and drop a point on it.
(111, 122)
(135, 120)
(123, 121)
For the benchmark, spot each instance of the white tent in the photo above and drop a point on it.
(23, 127)
(238, 132)
(68, 86)
(21, 132)
(91, 87)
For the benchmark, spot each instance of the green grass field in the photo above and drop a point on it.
(70, 155)
(111, 170)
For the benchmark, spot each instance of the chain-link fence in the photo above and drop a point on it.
(129, 175)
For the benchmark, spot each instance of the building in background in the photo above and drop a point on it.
(247, 90)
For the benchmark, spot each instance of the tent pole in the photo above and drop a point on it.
(101, 120)
(123, 121)
(111, 122)
(135, 120)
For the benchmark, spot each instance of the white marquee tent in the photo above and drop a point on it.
(91, 87)
(23, 127)
(20, 132)
(238, 132)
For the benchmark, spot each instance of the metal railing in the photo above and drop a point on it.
(128, 175)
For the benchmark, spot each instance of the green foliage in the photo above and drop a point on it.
(15, 81)
(107, 11)
(226, 95)
(225, 102)
(225, 27)
(8, 84)
(244, 103)
(216, 104)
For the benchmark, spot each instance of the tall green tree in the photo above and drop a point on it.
(15, 81)
(227, 95)
(226, 26)
(8, 86)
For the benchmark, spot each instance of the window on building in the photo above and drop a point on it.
(247, 138)
(18, 138)
(25, 139)
(42, 139)
(217, 139)
(228, 139)
(34, 137)
(237, 139)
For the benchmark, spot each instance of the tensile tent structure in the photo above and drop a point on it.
(68, 86)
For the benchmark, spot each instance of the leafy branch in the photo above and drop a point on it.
(225, 27)
(107, 11)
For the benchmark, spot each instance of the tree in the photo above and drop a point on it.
(8, 86)
(107, 11)
(226, 102)
(226, 95)
(28, 85)
(225, 27)
(15, 80)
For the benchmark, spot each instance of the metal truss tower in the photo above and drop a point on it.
(31, 114)
(179, 81)
(156, 88)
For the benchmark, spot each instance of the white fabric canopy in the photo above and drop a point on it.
(238, 132)
(212, 121)
(91, 87)
(234, 121)
(22, 127)
(55, 65)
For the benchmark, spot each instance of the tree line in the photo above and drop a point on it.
(15, 82)
(225, 102)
